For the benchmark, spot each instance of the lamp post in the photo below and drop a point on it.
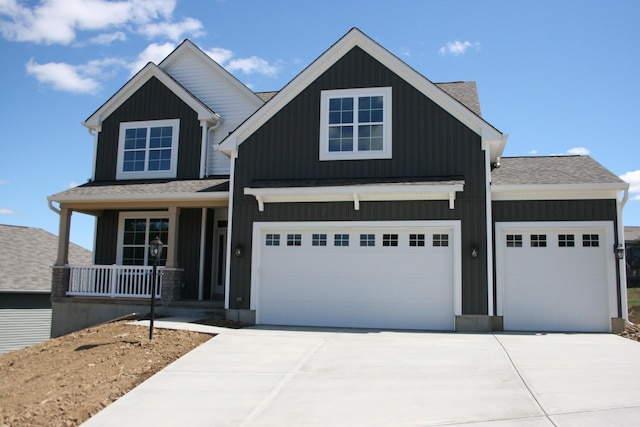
(155, 250)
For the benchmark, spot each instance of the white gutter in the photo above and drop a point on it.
(622, 268)
(53, 208)
(204, 145)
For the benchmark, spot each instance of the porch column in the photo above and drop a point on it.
(172, 250)
(63, 237)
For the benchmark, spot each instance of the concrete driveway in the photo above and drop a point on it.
(329, 377)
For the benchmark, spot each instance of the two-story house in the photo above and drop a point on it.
(360, 195)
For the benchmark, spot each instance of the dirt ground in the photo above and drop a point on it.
(66, 380)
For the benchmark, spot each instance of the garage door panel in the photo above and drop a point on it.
(356, 286)
(555, 287)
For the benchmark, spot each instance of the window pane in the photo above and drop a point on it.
(340, 110)
(319, 240)
(341, 240)
(367, 240)
(294, 239)
(341, 138)
(368, 139)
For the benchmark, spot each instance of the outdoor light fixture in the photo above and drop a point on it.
(474, 251)
(155, 251)
(618, 250)
(238, 251)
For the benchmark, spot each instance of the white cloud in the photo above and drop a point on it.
(578, 151)
(58, 21)
(220, 55)
(7, 211)
(457, 48)
(633, 178)
(108, 38)
(174, 31)
(63, 77)
(153, 53)
(252, 65)
(533, 152)
(73, 184)
(4, 182)
(404, 51)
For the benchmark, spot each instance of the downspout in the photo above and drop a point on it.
(622, 270)
(227, 281)
(94, 132)
(204, 144)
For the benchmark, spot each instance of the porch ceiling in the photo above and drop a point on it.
(93, 197)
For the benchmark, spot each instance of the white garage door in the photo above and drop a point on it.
(556, 279)
(371, 276)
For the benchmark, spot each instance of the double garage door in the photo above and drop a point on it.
(551, 277)
(369, 275)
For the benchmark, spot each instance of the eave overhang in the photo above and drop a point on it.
(557, 191)
(358, 193)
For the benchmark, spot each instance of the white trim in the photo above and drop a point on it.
(171, 198)
(122, 216)
(489, 230)
(556, 191)
(135, 83)
(353, 38)
(148, 124)
(622, 266)
(356, 193)
(355, 154)
(203, 239)
(227, 282)
(204, 148)
(456, 241)
(607, 242)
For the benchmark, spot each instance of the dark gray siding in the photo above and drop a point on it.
(153, 101)
(189, 251)
(427, 142)
(106, 238)
(556, 210)
(25, 319)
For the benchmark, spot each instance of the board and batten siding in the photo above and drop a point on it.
(222, 94)
(153, 101)
(25, 319)
(427, 142)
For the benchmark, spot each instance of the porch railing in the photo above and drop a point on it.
(115, 281)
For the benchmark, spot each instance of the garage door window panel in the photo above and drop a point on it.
(367, 240)
(272, 240)
(416, 240)
(319, 240)
(566, 240)
(389, 240)
(538, 240)
(440, 240)
(341, 240)
(294, 239)
(590, 240)
(514, 240)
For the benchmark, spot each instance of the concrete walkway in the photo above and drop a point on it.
(328, 377)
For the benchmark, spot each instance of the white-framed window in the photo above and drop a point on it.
(272, 240)
(341, 240)
(148, 149)
(135, 231)
(355, 124)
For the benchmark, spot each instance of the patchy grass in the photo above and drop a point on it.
(633, 297)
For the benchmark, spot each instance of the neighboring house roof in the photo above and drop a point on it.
(150, 70)
(631, 233)
(494, 139)
(266, 96)
(26, 257)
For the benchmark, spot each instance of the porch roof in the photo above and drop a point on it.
(94, 196)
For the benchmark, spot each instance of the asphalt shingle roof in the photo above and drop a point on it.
(129, 188)
(542, 170)
(26, 257)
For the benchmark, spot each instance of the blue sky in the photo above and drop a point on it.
(560, 77)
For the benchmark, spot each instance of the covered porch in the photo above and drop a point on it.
(190, 217)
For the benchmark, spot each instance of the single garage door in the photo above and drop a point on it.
(556, 279)
(367, 276)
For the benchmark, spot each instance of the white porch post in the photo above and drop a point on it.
(63, 237)
(172, 250)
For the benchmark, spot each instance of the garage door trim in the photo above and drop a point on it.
(260, 227)
(606, 227)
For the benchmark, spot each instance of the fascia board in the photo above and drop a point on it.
(189, 46)
(357, 189)
(135, 83)
(356, 38)
(557, 191)
(164, 197)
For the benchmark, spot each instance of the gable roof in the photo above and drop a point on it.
(150, 70)
(188, 47)
(26, 257)
(631, 233)
(493, 138)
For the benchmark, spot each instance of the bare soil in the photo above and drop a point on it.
(66, 380)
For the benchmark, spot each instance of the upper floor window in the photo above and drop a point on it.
(355, 124)
(148, 149)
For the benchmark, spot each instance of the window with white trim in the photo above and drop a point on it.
(440, 240)
(136, 231)
(272, 240)
(294, 239)
(416, 240)
(355, 124)
(341, 240)
(148, 149)
(319, 240)
(566, 240)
